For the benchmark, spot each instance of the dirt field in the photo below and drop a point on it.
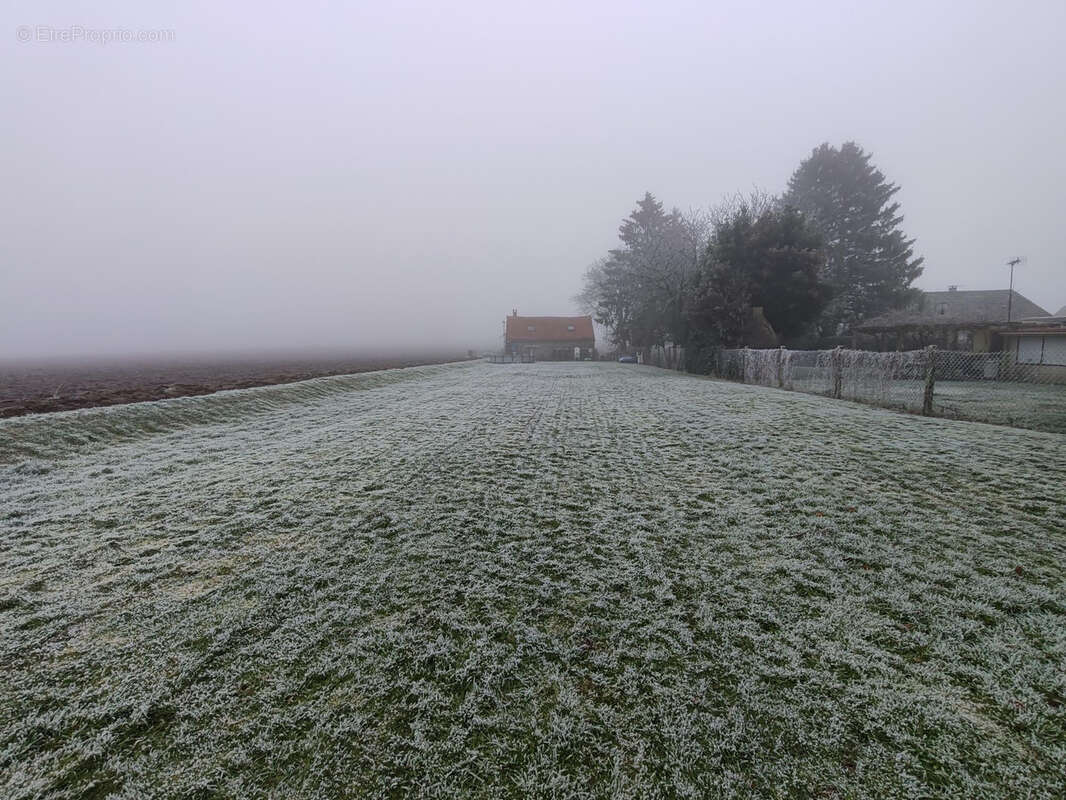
(34, 387)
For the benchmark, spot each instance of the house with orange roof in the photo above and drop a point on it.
(550, 338)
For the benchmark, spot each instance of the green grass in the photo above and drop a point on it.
(1026, 405)
(551, 580)
(1036, 406)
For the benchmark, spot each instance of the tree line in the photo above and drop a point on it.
(817, 260)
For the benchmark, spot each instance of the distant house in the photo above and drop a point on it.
(550, 338)
(969, 320)
(1039, 341)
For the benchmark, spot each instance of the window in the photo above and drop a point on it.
(570, 328)
(532, 328)
(1030, 349)
(1055, 349)
(941, 309)
(962, 338)
(1042, 350)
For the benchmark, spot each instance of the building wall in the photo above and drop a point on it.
(964, 338)
(1050, 349)
(549, 350)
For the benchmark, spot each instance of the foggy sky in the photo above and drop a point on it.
(295, 175)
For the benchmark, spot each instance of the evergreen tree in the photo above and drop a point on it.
(776, 253)
(761, 254)
(870, 263)
(637, 291)
(718, 312)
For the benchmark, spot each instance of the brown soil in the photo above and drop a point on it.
(36, 387)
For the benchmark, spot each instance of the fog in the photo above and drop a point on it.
(402, 175)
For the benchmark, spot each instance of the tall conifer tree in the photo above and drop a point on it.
(870, 263)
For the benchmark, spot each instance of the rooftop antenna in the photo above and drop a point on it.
(1012, 263)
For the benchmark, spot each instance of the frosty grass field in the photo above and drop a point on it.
(552, 580)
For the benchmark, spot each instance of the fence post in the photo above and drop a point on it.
(930, 380)
(837, 360)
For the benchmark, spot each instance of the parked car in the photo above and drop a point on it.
(627, 360)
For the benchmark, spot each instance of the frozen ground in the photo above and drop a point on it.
(1026, 405)
(529, 580)
(1037, 406)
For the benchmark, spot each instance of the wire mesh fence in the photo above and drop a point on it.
(985, 387)
(671, 356)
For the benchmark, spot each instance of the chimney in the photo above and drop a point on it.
(514, 312)
(953, 288)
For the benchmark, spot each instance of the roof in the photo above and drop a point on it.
(987, 307)
(1044, 330)
(549, 329)
(1037, 326)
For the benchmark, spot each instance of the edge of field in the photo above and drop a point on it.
(60, 434)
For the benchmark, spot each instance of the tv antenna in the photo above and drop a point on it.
(1012, 263)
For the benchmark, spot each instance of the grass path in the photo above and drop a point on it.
(571, 580)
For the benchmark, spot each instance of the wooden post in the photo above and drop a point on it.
(837, 362)
(930, 380)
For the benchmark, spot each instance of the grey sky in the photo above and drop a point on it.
(299, 175)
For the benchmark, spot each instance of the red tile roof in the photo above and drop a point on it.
(548, 329)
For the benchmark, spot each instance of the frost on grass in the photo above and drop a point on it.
(573, 580)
